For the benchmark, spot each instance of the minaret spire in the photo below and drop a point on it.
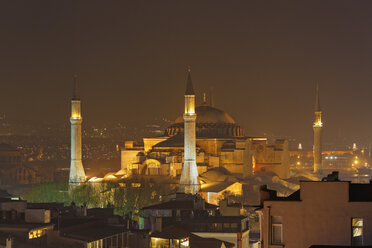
(189, 177)
(189, 88)
(77, 174)
(317, 128)
(75, 94)
(317, 102)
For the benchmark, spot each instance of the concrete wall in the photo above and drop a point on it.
(322, 217)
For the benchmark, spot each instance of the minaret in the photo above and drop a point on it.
(317, 127)
(77, 174)
(189, 177)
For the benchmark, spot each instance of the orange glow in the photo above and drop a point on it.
(36, 233)
(318, 124)
(75, 116)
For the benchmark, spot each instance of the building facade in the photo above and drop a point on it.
(329, 212)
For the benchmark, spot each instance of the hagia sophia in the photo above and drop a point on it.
(220, 143)
(204, 151)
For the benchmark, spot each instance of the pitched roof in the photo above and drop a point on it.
(217, 187)
(93, 232)
(171, 232)
(179, 204)
(186, 204)
(175, 232)
(174, 141)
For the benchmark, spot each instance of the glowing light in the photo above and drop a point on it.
(36, 233)
(95, 179)
(318, 124)
(75, 116)
(110, 177)
(185, 242)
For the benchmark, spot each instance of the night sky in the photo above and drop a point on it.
(262, 58)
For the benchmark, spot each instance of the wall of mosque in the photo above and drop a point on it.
(150, 142)
(231, 154)
(128, 157)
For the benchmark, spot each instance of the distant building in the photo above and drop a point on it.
(328, 212)
(345, 161)
(13, 171)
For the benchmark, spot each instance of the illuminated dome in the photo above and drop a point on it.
(211, 122)
(208, 114)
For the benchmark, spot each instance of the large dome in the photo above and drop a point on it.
(208, 114)
(210, 123)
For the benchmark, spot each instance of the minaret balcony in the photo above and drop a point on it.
(318, 124)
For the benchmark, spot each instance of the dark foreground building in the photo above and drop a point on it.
(193, 215)
(328, 212)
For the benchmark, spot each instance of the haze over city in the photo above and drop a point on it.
(263, 60)
(185, 124)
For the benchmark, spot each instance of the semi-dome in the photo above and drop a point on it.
(208, 114)
(211, 122)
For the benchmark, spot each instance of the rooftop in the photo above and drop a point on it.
(92, 232)
(174, 232)
(209, 114)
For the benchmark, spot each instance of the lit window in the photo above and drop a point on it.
(36, 233)
(357, 231)
(184, 243)
(276, 230)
